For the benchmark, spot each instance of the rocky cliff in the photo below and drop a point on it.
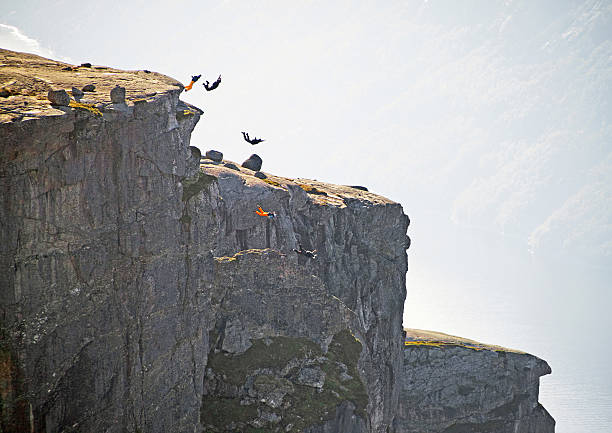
(455, 385)
(141, 293)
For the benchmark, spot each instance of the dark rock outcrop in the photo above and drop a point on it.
(76, 93)
(253, 162)
(215, 155)
(231, 165)
(58, 97)
(117, 95)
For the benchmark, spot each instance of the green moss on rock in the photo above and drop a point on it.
(273, 365)
(220, 411)
(276, 355)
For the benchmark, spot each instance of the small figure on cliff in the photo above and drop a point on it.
(310, 254)
(261, 212)
(253, 140)
(212, 86)
(194, 78)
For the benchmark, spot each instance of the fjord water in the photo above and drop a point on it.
(490, 288)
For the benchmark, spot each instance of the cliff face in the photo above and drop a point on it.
(141, 293)
(455, 385)
(95, 296)
(355, 285)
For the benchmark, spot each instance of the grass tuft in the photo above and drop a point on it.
(272, 182)
(87, 107)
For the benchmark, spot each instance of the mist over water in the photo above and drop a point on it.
(490, 288)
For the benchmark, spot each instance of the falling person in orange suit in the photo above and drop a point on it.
(261, 212)
(193, 80)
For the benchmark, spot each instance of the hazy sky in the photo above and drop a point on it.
(489, 121)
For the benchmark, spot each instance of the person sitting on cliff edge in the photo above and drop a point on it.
(194, 78)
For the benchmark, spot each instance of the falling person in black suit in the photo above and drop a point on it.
(212, 86)
(253, 141)
(310, 254)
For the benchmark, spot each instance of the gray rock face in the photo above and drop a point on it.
(312, 376)
(58, 97)
(253, 162)
(344, 421)
(356, 283)
(463, 386)
(101, 306)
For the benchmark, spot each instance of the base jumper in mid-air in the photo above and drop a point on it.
(193, 80)
(261, 212)
(310, 254)
(212, 86)
(253, 140)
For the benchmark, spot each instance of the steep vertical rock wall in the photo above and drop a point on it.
(454, 385)
(356, 284)
(99, 316)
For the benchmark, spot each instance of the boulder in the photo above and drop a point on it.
(260, 175)
(77, 93)
(58, 97)
(215, 155)
(253, 163)
(231, 165)
(311, 376)
(117, 95)
(89, 88)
